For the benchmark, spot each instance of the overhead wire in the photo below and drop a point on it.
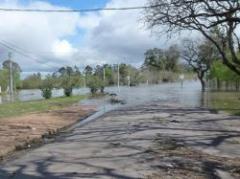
(28, 54)
(77, 10)
(18, 50)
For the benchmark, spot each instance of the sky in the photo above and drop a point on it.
(52, 40)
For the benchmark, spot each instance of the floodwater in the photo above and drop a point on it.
(188, 95)
(29, 95)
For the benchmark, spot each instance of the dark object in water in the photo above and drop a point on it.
(113, 94)
(115, 100)
(175, 121)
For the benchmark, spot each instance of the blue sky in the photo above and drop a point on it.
(74, 4)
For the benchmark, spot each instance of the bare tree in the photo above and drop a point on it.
(217, 20)
(199, 57)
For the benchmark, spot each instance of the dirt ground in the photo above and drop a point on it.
(20, 132)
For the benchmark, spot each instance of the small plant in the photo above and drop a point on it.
(94, 84)
(46, 87)
(67, 85)
(46, 93)
(68, 92)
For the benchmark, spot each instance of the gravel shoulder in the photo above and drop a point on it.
(152, 141)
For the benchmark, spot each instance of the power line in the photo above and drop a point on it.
(15, 50)
(18, 51)
(33, 53)
(77, 10)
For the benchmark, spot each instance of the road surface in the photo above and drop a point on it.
(147, 141)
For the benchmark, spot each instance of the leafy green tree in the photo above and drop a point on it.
(159, 59)
(124, 73)
(32, 81)
(172, 56)
(161, 64)
(109, 74)
(222, 73)
(88, 70)
(199, 57)
(99, 72)
(66, 77)
(94, 83)
(204, 17)
(77, 77)
(154, 59)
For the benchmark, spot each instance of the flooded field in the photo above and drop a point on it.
(187, 95)
(35, 94)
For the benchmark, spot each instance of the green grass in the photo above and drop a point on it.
(19, 108)
(225, 101)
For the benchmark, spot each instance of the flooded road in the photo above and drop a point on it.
(160, 131)
(189, 94)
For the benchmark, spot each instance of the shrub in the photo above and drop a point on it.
(95, 83)
(46, 93)
(68, 91)
(46, 87)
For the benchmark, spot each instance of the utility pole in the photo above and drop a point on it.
(118, 76)
(129, 80)
(10, 73)
(104, 75)
(84, 81)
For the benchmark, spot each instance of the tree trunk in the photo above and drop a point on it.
(202, 80)
(218, 84)
(203, 83)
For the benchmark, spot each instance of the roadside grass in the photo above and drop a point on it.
(20, 108)
(225, 101)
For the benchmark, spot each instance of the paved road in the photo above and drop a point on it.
(134, 143)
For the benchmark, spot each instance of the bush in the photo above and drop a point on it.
(95, 83)
(46, 93)
(68, 92)
(46, 87)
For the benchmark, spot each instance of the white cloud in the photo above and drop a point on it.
(40, 34)
(63, 49)
(120, 36)
(109, 36)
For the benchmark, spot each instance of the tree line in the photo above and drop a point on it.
(160, 65)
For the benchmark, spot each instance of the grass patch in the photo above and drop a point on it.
(225, 101)
(19, 108)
